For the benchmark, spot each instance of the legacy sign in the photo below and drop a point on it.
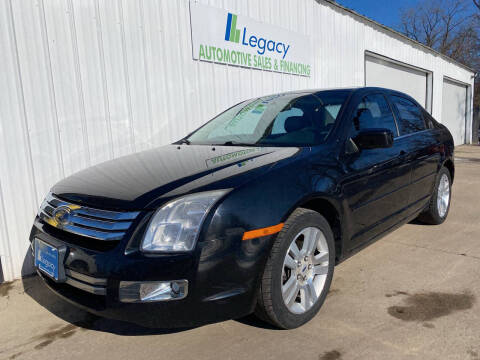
(228, 38)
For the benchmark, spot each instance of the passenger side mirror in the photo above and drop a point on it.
(374, 139)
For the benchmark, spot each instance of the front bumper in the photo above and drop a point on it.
(222, 277)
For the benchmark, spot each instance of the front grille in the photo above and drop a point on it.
(83, 242)
(83, 223)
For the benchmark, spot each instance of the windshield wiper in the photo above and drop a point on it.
(233, 143)
(184, 141)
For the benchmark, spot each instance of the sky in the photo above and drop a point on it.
(383, 11)
(386, 12)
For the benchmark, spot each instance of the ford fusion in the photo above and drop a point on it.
(248, 214)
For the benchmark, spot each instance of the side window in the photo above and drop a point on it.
(373, 113)
(411, 119)
(428, 119)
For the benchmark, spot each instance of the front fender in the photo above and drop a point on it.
(263, 202)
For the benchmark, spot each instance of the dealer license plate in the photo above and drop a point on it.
(46, 258)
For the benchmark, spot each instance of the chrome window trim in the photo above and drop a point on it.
(410, 134)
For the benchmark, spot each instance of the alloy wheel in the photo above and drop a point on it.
(305, 270)
(443, 195)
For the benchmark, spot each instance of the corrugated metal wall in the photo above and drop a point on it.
(84, 81)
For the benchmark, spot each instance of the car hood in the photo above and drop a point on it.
(146, 179)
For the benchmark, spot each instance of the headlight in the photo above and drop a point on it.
(175, 226)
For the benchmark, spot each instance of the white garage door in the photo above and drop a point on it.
(454, 106)
(387, 74)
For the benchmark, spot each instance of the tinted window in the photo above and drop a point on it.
(292, 119)
(411, 119)
(429, 122)
(373, 112)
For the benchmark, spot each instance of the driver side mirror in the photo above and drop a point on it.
(374, 139)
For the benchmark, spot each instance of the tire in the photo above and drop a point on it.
(271, 306)
(435, 214)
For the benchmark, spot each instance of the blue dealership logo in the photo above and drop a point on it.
(254, 41)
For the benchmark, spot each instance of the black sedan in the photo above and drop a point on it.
(249, 213)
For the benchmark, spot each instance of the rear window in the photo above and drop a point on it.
(411, 119)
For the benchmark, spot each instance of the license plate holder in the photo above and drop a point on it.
(49, 260)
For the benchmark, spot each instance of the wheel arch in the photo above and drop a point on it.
(448, 163)
(331, 211)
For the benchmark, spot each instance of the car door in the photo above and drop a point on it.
(422, 147)
(376, 181)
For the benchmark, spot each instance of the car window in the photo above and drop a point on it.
(411, 119)
(429, 122)
(291, 119)
(373, 112)
(306, 107)
(279, 123)
(333, 110)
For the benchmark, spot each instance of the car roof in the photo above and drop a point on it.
(352, 89)
(366, 89)
(360, 89)
(306, 91)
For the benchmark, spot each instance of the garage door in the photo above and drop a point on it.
(454, 106)
(387, 74)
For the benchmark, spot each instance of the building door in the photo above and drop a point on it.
(392, 75)
(454, 106)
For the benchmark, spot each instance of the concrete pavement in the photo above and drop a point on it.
(414, 294)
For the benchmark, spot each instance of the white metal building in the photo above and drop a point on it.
(84, 81)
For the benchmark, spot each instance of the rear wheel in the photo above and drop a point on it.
(299, 271)
(439, 204)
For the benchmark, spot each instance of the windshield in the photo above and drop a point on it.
(294, 119)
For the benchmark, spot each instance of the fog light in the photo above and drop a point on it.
(148, 291)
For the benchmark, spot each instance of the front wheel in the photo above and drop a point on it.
(439, 204)
(299, 271)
